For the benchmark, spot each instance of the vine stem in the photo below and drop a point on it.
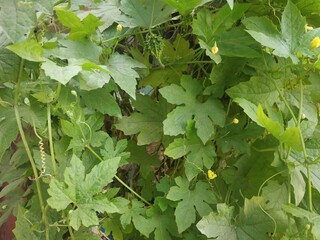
(118, 179)
(71, 232)
(25, 144)
(304, 149)
(54, 165)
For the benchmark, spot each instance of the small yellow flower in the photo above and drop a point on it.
(214, 49)
(235, 121)
(119, 27)
(211, 174)
(315, 43)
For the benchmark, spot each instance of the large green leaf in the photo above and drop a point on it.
(17, 18)
(61, 74)
(123, 73)
(81, 190)
(219, 225)
(147, 122)
(205, 114)
(284, 43)
(145, 14)
(190, 201)
(256, 90)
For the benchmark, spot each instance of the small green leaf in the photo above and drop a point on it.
(29, 50)
(194, 200)
(273, 127)
(79, 29)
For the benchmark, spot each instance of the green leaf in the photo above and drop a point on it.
(79, 29)
(108, 12)
(29, 50)
(185, 7)
(291, 136)
(140, 156)
(208, 25)
(308, 6)
(219, 225)
(299, 185)
(205, 114)
(8, 129)
(249, 108)
(147, 122)
(23, 228)
(284, 43)
(121, 68)
(197, 199)
(198, 154)
(101, 100)
(136, 214)
(69, 49)
(162, 223)
(114, 148)
(9, 62)
(61, 74)
(275, 195)
(80, 190)
(17, 18)
(272, 126)
(145, 14)
(256, 90)
(255, 223)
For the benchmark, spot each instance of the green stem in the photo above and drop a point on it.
(71, 232)
(309, 189)
(118, 179)
(25, 144)
(54, 165)
(304, 149)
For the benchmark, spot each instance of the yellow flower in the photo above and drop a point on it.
(211, 174)
(315, 43)
(119, 28)
(235, 120)
(214, 49)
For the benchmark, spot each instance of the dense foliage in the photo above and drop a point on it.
(160, 119)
